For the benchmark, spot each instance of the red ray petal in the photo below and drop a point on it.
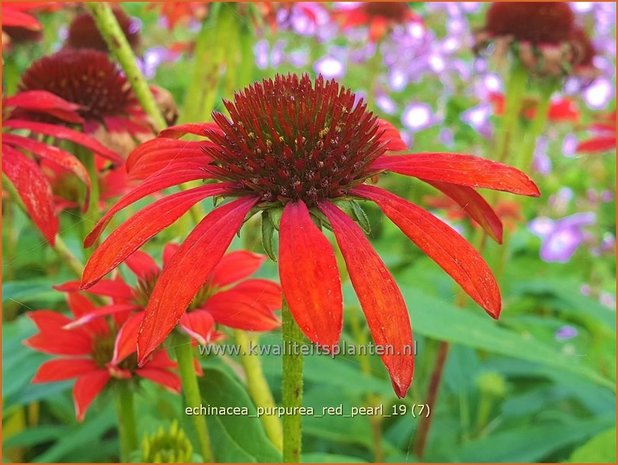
(45, 102)
(33, 189)
(464, 170)
(126, 339)
(86, 389)
(198, 324)
(442, 244)
(142, 264)
(597, 144)
(60, 132)
(309, 276)
(235, 266)
(174, 132)
(16, 18)
(240, 311)
(134, 232)
(391, 136)
(149, 186)
(188, 271)
(475, 206)
(168, 252)
(59, 370)
(54, 155)
(379, 296)
(98, 313)
(165, 378)
(265, 292)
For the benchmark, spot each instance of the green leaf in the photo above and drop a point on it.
(268, 233)
(234, 438)
(320, 457)
(30, 290)
(361, 217)
(600, 449)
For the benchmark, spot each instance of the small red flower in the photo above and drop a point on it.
(379, 17)
(89, 352)
(83, 32)
(605, 136)
(24, 171)
(228, 297)
(300, 146)
(560, 110)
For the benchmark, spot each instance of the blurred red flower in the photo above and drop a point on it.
(94, 353)
(301, 146)
(228, 297)
(83, 31)
(25, 172)
(563, 109)
(604, 138)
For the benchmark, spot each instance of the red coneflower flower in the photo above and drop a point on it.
(91, 80)
(542, 35)
(379, 17)
(24, 171)
(562, 109)
(300, 146)
(605, 138)
(89, 353)
(228, 297)
(83, 32)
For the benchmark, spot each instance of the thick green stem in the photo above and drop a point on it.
(513, 99)
(537, 126)
(191, 390)
(292, 386)
(127, 430)
(119, 46)
(258, 387)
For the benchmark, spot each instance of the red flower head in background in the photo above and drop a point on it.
(103, 96)
(83, 32)
(96, 353)
(560, 110)
(605, 136)
(302, 147)
(23, 157)
(228, 297)
(542, 35)
(379, 17)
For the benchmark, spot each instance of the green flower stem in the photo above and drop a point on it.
(127, 430)
(258, 387)
(292, 386)
(191, 390)
(60, 247)
(537, 126)
(10, 74)
(515, 90)
(120, 48)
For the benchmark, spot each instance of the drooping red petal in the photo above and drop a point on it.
(156, 154)
(126, 339)
(59, 370)
(198, 324)
(48, 320)
(61, 132)
(188, 271)
(265, 292)
(134, 232)
(235, 266)
(98, 313)
(80, 305)
(142, 264)
(597, 144)
(42, 101)
(309, 276)
(198, 129)
(391, 136)
(379, 296)
(33, 189)
(165, 378)
(464, 170)
(240, 311)
(115, 288)
(16, 18)
(86, 389)
(151, 185)
(442, 244)
(475, 206)
(58, 157)
(54, 340)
